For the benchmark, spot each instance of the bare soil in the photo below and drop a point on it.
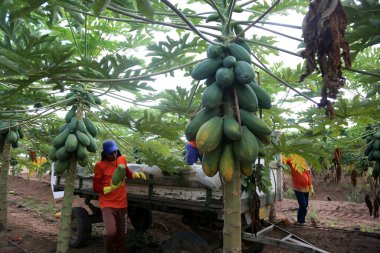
(334, 225)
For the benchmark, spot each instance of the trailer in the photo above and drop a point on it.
(199, 202)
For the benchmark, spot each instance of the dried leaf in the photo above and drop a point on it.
(323, 30)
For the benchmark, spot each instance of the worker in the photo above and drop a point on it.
(112, 198)
(192, 153)
(301, 183)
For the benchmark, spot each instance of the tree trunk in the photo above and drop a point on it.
(232, 217)
(6, 157)
(65, 221)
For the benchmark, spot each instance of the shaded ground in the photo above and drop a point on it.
(340, 226)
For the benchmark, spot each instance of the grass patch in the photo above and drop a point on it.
(289, 194)
(312, 214)
(39, 207)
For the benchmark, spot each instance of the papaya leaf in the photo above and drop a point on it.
(145, 8)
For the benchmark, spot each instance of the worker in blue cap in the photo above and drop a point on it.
(113, 198)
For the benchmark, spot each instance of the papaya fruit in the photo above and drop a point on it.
(11, 137)
(225, 77)
(52, 154)
(229, 61)
(206, 68)
(84, 161)
(227, 163)
(210, 161)
(215, 51)
(118, 175)
(239, 52)
(91, 128)
(81, 152)
(71, 143)
(70, 114)
(199, 119)
(212, 96)
(368, 148)
(231, 128)
(246, 169)
(92, 146)
(263, 98)
(61, 166)
(82, 138)
(247, 148)
(255, 124)
(62, 154)
(210, 134)
(246, 97)
(243, 72)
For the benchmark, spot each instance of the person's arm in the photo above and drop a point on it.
(311, 187)
(97, 184)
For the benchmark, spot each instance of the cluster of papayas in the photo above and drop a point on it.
(10, 132)
(76, 138)
(231, 93)
(77, 94)
(373, 151)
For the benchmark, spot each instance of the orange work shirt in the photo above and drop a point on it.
(300, 181)
(102, 177)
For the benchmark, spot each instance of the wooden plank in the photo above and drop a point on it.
(275, 242)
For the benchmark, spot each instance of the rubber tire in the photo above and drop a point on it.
(80, 233)
(185, 241)
(141, 218)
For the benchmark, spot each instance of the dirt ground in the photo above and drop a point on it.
(334, 225)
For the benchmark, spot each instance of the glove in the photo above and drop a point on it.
(311, 190)
(138, 175)
(111, 188)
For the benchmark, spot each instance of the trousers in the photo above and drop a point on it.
(114, 229)
(303, 202)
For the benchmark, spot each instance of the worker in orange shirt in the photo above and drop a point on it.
(192, 153)
(112, 198)
(301, 183)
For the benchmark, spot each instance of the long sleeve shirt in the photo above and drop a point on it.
(103, 172)
(301, 181)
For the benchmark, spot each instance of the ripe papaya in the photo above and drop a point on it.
(212, 96)
(225, 77)
(231, 128)
(199, 119)
(206, 68)
(210, 161)
(246, 97)
(246, 169)
(210, 134)
(247, 148)
(227, 162)
(254, 123)
(239, 52)
(119, 174)
(263, 97)
(243, 72)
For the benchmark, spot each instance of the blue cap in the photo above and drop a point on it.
(109, 146)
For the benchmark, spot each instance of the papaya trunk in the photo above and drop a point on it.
(65, 221)
(4, 169)
(232, 217)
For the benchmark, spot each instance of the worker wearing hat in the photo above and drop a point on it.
(112, 198)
